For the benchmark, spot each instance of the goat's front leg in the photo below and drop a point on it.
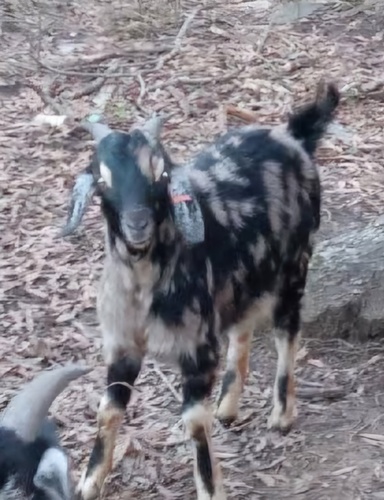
(198, 379)
(122, 374)
(235, 375)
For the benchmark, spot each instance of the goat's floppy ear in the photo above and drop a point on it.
(82, 193)
(188, 217)
(86, 182)
(81, 196)
(52, 475)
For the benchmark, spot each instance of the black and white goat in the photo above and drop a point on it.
(33, 465)
(196, 251)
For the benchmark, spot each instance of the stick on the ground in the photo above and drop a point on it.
(142, 89)
(243, 114)
(48, 101)
(196, 81)
(92, 59)
(157, 369)
(336, 392)
(181, 34)
(94, 85)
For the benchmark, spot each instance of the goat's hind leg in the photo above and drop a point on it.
(287, 334)
(235, 375)
(198, 380)
(122, 374)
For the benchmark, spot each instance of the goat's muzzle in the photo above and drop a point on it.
(137, 227)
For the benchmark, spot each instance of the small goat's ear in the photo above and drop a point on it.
(188, 217)
(152, 128)
(52, 475)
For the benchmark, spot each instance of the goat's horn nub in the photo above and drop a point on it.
(153, 126)
(27, 410)
(97, 130)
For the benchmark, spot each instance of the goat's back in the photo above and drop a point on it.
(259, 191)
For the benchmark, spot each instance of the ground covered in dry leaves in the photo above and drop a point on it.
(200, 63)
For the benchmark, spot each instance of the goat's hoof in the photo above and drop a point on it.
(225, 417)
(281, 421)
(226, 412)
(226, 421)
(219, 494)
(88, 489)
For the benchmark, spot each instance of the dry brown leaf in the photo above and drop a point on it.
(316, 362)
(267, 479)
(346, 470)
(373, 437)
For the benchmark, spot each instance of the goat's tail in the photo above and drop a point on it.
(309, 123)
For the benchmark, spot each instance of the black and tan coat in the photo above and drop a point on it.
(197, 251)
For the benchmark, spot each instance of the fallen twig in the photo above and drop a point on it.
(157, 369)
(87, 74)
(48, 101)
(115, 54)
(181, 34)
(336, 392)
(94, 85)
(195, 81)
(87, 90)
(243, 114)
(142, 89)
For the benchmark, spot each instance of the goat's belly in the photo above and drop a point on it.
(170, 343)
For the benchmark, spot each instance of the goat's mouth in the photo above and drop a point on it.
(139, 246)
(138, 252)
(137, 240)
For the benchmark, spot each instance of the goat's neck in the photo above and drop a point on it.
(172, 253)
(141, 270)
(165, 253)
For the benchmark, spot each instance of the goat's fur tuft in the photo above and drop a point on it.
(309, 123)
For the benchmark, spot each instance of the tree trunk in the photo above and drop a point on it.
(345, 288)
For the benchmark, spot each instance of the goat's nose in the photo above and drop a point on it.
(138, 219)
(142, 223)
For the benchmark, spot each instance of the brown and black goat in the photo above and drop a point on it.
(197, 251)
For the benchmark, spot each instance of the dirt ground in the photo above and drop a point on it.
(128, 60)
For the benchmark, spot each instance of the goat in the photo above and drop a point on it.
(33, 465)
(196, 250)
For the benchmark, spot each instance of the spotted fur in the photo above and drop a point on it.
(258, 190)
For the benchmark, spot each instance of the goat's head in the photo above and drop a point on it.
(25, 417)
(132, 174)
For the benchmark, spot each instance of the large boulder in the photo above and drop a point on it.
(345, 287)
